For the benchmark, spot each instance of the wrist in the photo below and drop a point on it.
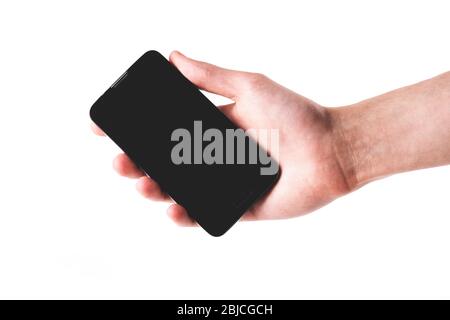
(402, 130)
(349, 145)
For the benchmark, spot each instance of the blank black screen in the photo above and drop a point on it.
(140, 112)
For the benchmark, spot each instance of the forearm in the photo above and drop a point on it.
(403, 130)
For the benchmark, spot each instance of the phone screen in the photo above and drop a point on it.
(161, 121)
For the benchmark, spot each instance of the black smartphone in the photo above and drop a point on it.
(172, 132)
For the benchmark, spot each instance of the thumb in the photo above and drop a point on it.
(207, 76)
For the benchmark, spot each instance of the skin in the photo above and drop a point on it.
(324, 152)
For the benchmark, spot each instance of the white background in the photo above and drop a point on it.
(71, 228)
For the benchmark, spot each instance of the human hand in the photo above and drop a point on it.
(311, 175)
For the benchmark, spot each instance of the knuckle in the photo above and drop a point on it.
(256, 80)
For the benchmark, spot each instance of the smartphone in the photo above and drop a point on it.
(167, 127)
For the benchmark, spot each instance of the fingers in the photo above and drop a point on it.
(150, 189)
(209, 77)
(145, 186)
(97, 130)
(125, 167)
(179, 215)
